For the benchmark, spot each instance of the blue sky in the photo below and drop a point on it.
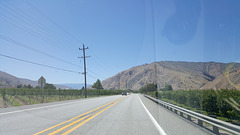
(119, 34)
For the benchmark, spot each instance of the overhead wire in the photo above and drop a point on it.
(39, 64)
(96, 60)
(35, 50)
(29, 19)
(96, 73)
(92, 76)
(50, 20)
(100, 65)
(32, 25)
(28, 47)
(26, 29)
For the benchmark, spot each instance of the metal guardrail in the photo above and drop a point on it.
(216, 124)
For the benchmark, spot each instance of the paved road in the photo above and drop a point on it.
(112, 115)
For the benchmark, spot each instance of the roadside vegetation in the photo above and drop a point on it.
(222, 104)
(25, 96)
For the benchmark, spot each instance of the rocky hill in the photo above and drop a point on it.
(181, 75)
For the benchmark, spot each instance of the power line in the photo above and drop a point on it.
(50, 20)
(100, 64)
(38, 64)
(28, 30)
(96, 73)
(98, 61)
(92, 76)
(30, 21)
(31, 28)
(33, 49)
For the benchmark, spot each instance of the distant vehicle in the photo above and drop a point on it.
(124, 93)
(128, 93)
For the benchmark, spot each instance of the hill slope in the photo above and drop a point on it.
(181, 75)
(225, 81)
(7, 80)
(10, 81)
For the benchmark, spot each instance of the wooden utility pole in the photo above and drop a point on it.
(85, 72)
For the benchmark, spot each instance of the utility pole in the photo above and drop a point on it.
(85, 72)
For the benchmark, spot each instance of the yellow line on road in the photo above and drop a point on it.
(76, 117)
(74, 128)
(53, 133)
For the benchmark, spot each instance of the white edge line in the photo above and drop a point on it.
(160, 130)
(5, 113)
(37, 108)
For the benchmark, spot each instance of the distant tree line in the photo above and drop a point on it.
(46, 86)
(25, 86)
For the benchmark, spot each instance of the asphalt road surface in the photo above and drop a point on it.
(111, 115)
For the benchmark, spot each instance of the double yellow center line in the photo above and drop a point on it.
(75, 121)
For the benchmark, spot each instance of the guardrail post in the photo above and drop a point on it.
(200, 123)
(181, 114)
(189, 117)
(215, 130)
(175, 111)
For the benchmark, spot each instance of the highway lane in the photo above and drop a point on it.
(27, 120)
(116, 116)
(171, 123)
(129, 117)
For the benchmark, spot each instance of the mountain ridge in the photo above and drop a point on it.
(179, 74)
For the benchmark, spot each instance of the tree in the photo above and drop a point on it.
(148, 88)
(167, 88)
(29, 86)
(97, 85)
(19, 86)
(49, 86)
(225, 109)
(25, 86)
(209, 103)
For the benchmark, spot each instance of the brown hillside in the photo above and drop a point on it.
(181, 75)
(225, 81)
(7, 80)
